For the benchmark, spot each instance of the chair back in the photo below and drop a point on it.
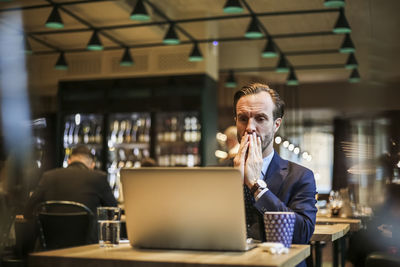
(64, 224)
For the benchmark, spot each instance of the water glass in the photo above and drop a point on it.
(335, 202)
(108, 219)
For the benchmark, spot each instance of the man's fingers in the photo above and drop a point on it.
(259, 149)
(243, 144)
(253, 145)
(240, 157)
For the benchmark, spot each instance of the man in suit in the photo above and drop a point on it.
(271, 183)
(78, 182)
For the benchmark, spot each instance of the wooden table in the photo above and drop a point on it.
(355, 224)
(125, 255)
(328, 233)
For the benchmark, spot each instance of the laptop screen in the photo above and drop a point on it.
(185, 208)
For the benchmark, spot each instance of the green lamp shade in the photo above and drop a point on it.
(233, 6)
(355, 76)
(292, 82)
(171, 38)
(61, 63)
(139, 12)
(195, 55)
(282, 66)
(230, 84)
(95, 43)
(334, 3)
(342, 26)
(253, 31)
(347, 45)
(292, 78)
(351, 62)
(269, 50)
(54, 21)
(126, 60)
(230, 81)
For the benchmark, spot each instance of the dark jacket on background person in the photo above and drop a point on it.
(74, 183)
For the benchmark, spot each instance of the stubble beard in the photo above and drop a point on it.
(266, 141)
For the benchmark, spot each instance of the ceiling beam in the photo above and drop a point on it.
(272, 69)
(189, 20)
(56, 49)
(220, 40)
(50, 5)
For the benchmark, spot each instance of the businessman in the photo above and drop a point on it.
(270, 182)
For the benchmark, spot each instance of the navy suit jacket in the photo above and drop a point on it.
(291, 188)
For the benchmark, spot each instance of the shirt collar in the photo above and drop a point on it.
(78, 164)
(266, 161)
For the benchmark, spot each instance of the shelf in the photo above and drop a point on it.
(131, 145)
(95, 145)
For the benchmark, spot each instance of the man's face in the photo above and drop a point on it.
(254, 114)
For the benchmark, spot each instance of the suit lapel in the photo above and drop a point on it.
(276, 173)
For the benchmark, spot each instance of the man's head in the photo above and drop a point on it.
(232, 143)
(83, 155)
(258, 109)
(255, 88)
(231, 133)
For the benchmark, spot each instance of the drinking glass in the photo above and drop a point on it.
(108, 219)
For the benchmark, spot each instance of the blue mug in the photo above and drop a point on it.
(279, 227)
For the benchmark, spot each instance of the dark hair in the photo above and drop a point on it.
(255, 88)
(148, 162)
(83, 151)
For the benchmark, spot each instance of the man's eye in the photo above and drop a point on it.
(260, 119)
(242, 119)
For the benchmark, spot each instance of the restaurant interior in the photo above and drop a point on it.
(147, 79)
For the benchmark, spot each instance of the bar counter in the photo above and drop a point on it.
(125, 255)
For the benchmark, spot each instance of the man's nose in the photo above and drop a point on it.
(250, 128)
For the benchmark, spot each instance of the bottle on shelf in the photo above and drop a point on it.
(134, 132)
(86, 132)
(114, 130)
(147, 130)
(127, 134)
(65, 136)
(77, 137)
(71, 134)
(98, 136)
(67, 152)
(121, 132)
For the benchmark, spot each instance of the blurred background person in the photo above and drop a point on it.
(79, 182)
(232, 145)
(148, 162)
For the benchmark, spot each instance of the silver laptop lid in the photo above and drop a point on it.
(185, 208)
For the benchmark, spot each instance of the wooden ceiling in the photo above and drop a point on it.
(296, 26)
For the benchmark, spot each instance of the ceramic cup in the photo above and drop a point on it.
(279, 227)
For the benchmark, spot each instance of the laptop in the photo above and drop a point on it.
(185, 208)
